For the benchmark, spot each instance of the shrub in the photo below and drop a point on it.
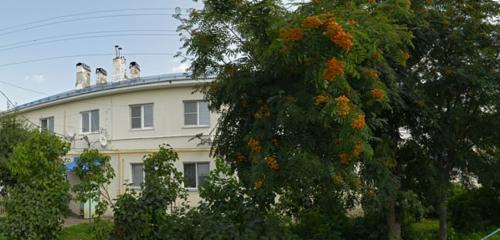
(474, 210)
(37, 204)
(140, 216)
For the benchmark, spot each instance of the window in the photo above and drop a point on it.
(195, 174)
(141, 116)
(90, 121)
(196, 113)
(137, 174)
(47, 124)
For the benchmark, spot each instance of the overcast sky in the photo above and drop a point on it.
(46, 78)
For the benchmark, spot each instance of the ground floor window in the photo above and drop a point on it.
(137, 174)
(195, 174)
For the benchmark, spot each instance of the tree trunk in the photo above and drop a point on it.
(443, 216)
(393, 224)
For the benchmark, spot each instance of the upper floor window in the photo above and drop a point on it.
(90, 121)
(47, 124)
(137, 174)
(195, 174)
(141, 116)
(196, 113)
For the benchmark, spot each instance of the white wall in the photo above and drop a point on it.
(126, 146)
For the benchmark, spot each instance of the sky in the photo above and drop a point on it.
(30, 81)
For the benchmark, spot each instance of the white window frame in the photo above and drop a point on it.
(197, 114)
(142, 116)
(193, 189)
(90, 121)
(47, 119)
(132, 175)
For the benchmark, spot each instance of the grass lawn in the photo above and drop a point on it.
(75, 232)
(429, 228)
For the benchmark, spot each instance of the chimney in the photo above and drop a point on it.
(82, 76)
(135, 70)
(101, 76)
(119, 65)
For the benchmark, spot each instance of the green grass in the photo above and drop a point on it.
(429, 228)
(77, 232)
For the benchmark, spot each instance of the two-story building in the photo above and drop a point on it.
(129, 118)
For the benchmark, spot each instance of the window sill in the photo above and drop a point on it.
(192, 189)
(89, 133)
(141, 129)
(195, 126)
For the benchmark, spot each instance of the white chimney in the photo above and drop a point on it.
(101, 76)
(119, 65)
(135, 70)
(82, 76)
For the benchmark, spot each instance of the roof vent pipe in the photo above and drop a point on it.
(135, 70)
(82, 76)
(119, 65)
(101, 76)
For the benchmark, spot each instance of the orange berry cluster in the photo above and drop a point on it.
(359, 122)
(338, 36)
(312, 22)
(272, 162)
(344, 158)
(377, 93)
(259, 183)
(356, 151)
(373, 74)
(292, 35)
(343, 104)
(334, 68)
(254, 145)
(320, 99)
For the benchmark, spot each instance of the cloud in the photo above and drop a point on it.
(181, 68)
(35, 77)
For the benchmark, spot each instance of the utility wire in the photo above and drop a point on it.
(83, 55)
(83, 33)
(23, 88)
(89, 37)
(82, 14)
(81, 19)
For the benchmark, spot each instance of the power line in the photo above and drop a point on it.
(84, 13)
(83, 33)
(8, 99)
(23, 88)
(90, 37)
(82, 55)
(81, 19)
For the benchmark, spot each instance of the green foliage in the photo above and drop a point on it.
(12, 132)
(38, 202)
(294, 96)
(141, 215)
(474, 210)
(226, 212)
(95, 173)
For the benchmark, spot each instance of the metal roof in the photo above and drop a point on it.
(177, 77)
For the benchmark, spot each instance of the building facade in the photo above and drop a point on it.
(127, 119)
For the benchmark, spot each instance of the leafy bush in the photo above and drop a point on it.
(228, 211)
(140, 216)
(37, 204)
(474, 210)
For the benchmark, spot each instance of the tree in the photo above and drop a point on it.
(38, 202)
(299, 91)
(95, 173)
(12, 132)
(457, 75)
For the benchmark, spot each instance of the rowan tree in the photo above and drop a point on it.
(299, 91)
